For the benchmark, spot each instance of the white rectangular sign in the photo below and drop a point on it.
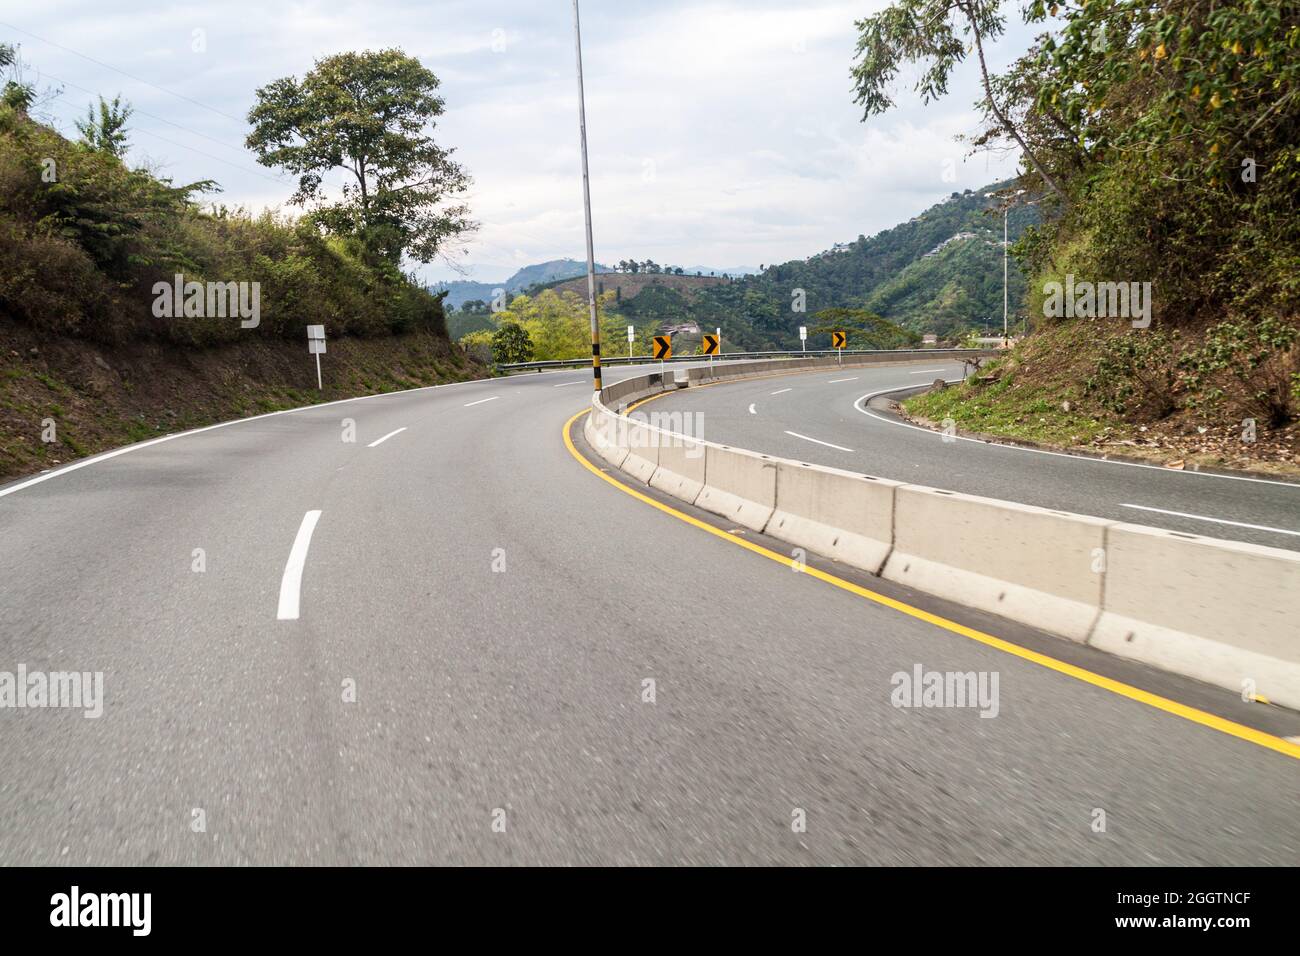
(315, 346)
(316, 332)
(803, 332)
(631, 333)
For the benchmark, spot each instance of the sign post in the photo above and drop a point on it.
(631, 333)
(803, 338)
(316, 346)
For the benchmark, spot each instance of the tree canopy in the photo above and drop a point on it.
(371, 115)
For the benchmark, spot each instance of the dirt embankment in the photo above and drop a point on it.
(64, 398)
(1051, 391)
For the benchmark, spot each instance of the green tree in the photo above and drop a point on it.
(369, 114)
(866, 330)
(107, 131)
(510, 343)
(16, 93)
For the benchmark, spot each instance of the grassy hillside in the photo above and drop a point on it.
(84, 239)
(955, 288)
(939, 272)
(1165, 159)
(948, 292)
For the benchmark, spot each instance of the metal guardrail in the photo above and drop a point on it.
(725, 356)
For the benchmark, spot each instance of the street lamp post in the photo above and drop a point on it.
(1005, 211)
(586, 203)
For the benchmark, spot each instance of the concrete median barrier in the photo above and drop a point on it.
(840, 514)
(739, 485)
(599, 429)
(681, 467)
(1029, 564)
(642, 444)
(1224, 612)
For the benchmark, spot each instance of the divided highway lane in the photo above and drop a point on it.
(478, 617)
(817, 417)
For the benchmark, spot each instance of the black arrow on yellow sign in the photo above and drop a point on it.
(838, 338)
(711, 344)
(663, 347)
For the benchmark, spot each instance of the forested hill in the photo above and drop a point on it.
(939, 272)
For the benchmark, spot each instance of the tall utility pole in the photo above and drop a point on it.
(1005, 211)
(586, 202)
(1005, 249)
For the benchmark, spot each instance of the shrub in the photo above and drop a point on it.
(80, 254)
(1252, 365)
(1136, 374)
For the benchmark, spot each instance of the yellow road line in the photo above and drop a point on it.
(1214, 722)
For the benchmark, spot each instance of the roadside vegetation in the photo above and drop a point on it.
(1160, 142)
(86, 238)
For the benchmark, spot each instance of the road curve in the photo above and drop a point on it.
(465, 677)
(821, 418)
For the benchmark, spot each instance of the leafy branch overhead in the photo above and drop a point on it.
(369, 115)
(932, 33)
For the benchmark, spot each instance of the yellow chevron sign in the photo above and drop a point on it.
(838, 338)
(663, 347)
(711, 344)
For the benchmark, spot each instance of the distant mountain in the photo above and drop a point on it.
(466, 290)
(543, 273)
(549, 272)
(940, 271)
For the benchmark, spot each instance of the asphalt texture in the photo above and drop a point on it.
(828, 407)
(496, 611)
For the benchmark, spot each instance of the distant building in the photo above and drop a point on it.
(951, 239)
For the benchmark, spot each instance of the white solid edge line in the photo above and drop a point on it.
(923, 371)
(836, 381)
(578, 382)
(481, 401)
(105, 456)
(779, 391)
(819, 441)
(48, 473)
(1235, 524)
(380, 441)
(291, 582)
(858, 404)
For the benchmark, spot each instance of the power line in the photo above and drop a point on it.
(140, 112)
(163, 89)
(242, 169)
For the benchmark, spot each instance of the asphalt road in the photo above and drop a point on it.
(521, 689)
(819, 417)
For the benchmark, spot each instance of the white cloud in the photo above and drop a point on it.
(719, 133)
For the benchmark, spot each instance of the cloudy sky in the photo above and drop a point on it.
(720, 133)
